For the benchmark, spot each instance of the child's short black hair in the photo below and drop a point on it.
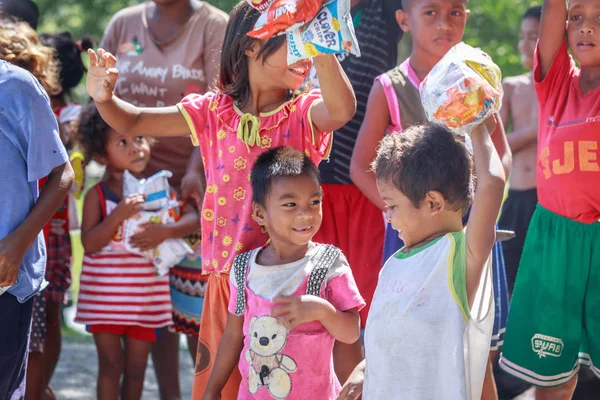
(68, 53)
(277, 163)
(533, 12)
(424, 158)
(92, 132)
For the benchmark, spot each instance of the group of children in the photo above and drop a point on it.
(276, 301)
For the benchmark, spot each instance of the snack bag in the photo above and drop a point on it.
(283, 14)
(463, 89)
(156, 188)
(260, 5)
(330, 32)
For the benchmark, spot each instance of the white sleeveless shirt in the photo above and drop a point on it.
(422, 341)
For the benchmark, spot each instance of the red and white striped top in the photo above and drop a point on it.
(119, 288)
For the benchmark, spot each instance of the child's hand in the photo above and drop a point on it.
(296, 310)
(490, 124)
(353, 387)
(150, 237)
(11, 256)
(129, 206)
(101, 76)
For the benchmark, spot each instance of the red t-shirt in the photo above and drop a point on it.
(568, 166)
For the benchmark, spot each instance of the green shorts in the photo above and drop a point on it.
(554, 319)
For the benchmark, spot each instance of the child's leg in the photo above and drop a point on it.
(192, 341)
(53, 343)
(165, 357)
(35, 364)
(111, 363)
(136, 359)
(562, 392)
(489, 384)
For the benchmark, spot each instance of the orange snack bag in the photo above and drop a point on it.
(284, 14)
(260, 5)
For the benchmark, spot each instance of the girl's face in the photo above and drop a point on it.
(276, 71)
(126, 153)
(292, 213)
(528, 37)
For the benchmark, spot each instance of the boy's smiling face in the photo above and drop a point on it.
(435, 25)
(583, 31)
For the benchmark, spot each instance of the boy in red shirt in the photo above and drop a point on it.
(554, 321)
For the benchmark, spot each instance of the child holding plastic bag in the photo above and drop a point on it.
(121, 297)
(256, 106)
(395, 104)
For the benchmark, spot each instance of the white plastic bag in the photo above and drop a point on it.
(463, 89)
(156, 188)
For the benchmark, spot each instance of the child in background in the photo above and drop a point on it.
(395, 104)
(553, 324)
(290, 299)
(424, 338)
(519, 111)
(121, 299)
(257, 106)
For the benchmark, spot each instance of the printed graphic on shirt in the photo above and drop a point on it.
(269, 367)
(132, 48)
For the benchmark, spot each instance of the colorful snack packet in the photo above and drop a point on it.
(463, 89)
(156, 188)
(282, 15)
(330, 32)
(260, 5)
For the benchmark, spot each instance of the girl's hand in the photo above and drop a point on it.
(150, 237)
(296, 310)
(353, 387)
(490, 124)
(102, 75)
(129, 206)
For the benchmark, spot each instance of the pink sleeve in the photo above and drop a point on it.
(392, 102)
(320, 147)
(194, 108)
(342, 292)
(232, 296)
(561, 70)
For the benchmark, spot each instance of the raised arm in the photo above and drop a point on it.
(481, 231)
(552, 33)
(122, 116)
(377, 119)
(501, 145)
(339, 103)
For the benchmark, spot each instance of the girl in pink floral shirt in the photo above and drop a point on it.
(257, 106)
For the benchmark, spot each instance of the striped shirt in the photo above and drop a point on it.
(378, 35)
(119, 288)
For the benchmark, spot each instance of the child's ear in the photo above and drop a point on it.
(253, 50)
(434, 201)
(402, 19)
(467, 14)
(258, 214)
(101, 159)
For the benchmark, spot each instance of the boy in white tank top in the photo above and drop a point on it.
(430, 324)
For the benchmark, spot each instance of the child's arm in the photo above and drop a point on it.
(500, 143)
(481, 231)
(14, 246)
(96, 232)
(154, 234)
(193, 184)
(228, 356)
(352, 389)
(344, 326)
(377, 119)
(519, 138)
(122, 116)
(552, 33)
(339, 103)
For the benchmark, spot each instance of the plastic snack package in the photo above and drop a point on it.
(463, 89)
(156, 188)
(330, 32)
(282, 15)
(260, 5)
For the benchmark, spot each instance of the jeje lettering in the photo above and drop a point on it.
(559, 164)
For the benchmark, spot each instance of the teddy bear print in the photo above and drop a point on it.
(268, 366)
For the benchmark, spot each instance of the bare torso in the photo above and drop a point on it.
(523, 113)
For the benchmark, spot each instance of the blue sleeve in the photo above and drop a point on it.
(35, 133)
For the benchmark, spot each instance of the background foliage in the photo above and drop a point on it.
(493, 25)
